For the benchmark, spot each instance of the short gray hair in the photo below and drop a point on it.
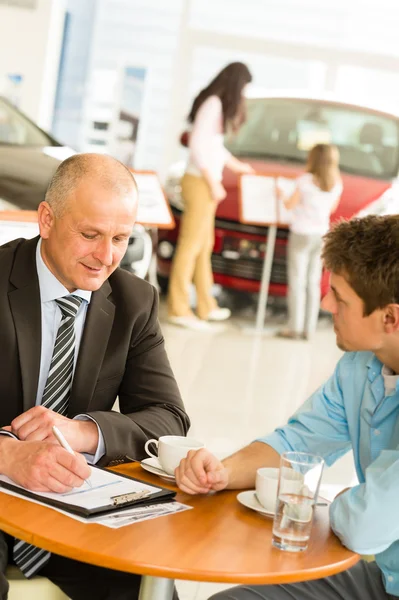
(111, 173)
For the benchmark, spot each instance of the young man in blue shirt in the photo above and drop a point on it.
(357, 408)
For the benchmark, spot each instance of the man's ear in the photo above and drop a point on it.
(391, 318)
(45, 218)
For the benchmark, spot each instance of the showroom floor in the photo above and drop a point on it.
(237, 386)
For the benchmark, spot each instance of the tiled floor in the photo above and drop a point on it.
(237, 386)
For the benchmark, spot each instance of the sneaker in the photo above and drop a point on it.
(219, 314)
(288, 334)
(190, 322)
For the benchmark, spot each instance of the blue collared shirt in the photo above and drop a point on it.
(50, 290)
(352, 411)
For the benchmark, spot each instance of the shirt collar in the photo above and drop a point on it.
(50, 287)
(374, 367)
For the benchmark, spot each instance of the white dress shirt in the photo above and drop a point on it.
(311, 216)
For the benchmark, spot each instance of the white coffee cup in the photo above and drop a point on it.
(266, 487)
(267, 479)
(171, 450)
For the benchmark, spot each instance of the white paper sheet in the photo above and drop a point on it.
(258, 197)
(153, 207)
(118, 518)
(105, 486)
(287, 186)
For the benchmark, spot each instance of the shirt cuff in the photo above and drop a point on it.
(93, 459)
(276, 441)
(2, 432)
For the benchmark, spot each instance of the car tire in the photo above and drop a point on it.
(163, 284)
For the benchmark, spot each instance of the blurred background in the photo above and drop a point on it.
(98, 74)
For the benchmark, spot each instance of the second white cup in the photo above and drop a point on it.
(171, 450)
(266, 487)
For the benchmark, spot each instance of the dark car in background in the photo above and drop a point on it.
(275, 139)
(28, 159)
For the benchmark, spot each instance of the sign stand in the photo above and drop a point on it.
(265, 281)
(154, 209)
(259, 205)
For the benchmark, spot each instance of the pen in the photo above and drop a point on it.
(65, 445)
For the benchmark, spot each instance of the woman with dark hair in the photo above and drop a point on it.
(218, 108)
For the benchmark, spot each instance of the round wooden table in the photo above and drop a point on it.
(218, 541)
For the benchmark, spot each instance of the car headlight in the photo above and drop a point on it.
(165, 249)
(173, 192)
(173, 186)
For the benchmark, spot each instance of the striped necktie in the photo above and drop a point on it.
(55, 397)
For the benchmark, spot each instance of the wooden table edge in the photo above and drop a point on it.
(176, 573)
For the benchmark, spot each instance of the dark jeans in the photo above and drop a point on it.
(361, 582)
(77, 580)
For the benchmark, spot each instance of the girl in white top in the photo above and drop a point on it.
(217, 108)
(316, 196)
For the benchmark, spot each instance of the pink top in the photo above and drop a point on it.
(206, 145)
(311, 216)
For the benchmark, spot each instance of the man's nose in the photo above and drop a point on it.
(104, 252)
(329, 303)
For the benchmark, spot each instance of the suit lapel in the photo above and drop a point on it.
(97, 329)
(26, 313)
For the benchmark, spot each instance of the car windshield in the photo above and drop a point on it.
(286, 129)
(17, 130)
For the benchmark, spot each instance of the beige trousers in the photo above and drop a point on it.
(192, 259)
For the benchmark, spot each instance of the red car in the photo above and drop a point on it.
(275, 139)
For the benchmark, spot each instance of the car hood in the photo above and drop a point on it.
(358, 191)
(26, 172)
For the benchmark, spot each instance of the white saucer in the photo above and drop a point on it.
(152, 465)
(250, 500)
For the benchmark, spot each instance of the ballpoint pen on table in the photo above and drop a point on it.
(65, 445)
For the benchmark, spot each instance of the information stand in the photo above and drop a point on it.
(154, 209)
(259, 205)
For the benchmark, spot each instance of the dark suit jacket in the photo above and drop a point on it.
(121, 354)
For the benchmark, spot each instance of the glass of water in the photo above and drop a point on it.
(298, 488)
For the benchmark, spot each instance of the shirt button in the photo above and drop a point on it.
(377, 432)
(390, 578)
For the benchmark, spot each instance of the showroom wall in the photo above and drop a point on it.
(138, 34)
(30, 44)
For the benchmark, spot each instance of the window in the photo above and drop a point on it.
(100, 125)
(285, 129)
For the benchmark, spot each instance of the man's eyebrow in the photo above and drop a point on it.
(336, 293)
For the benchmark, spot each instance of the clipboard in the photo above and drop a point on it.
(116, 502)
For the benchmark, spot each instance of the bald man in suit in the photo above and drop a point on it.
(116, 349)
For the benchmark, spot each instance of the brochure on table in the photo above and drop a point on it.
(259, 204)
(119, 518)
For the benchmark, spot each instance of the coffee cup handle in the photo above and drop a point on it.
(155, 442)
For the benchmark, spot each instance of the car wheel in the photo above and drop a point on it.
(163, 283)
